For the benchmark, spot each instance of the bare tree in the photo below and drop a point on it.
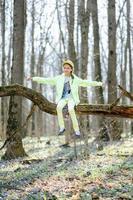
(114, 129)
(3, 105)
(97, 71)
(111, 51)
(41, 123)
(58, 5)
(32, 60)
(84, 22)
(129, 50)
(70, 16)
(97, 66)
(15, 147)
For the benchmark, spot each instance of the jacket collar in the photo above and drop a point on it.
(64, 74)
(63, 78)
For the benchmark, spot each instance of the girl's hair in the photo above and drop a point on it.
(72, 77)
(71, 73)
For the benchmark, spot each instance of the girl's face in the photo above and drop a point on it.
(67, 70)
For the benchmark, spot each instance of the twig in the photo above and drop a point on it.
(126, 93)
(117, 100)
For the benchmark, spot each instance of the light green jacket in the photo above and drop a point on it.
(58, 81)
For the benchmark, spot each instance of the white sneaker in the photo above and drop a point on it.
(61, 131)
(77, 133)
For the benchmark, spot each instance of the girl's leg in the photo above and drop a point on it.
(71, 110)
(59, 108)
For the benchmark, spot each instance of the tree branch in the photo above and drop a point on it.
(126, 93)
(82, 109)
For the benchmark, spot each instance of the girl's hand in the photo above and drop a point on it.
(29, 78)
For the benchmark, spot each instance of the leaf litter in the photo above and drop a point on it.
(53, 172)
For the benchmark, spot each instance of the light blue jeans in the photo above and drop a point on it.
(70, 102)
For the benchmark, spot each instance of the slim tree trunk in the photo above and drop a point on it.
(39, 114)
(8, 67)
(71, 52)
(97, 68)
(97, 71)
(123, 67)
(3, 102)
(129, 51)
(15, 147)
(84, 19)
(32, 62)
(114, 126)
(9, 55)
(112, 52)
(70, 26)
(60, 27)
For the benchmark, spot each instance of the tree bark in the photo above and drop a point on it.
(70, 26)
(116, 129)
(129, 52)
(71, 51)
(3, 71)
(84, 22)
(102, 133)
(15, 148)
(60, 27)
(32, 62)
(112, 52)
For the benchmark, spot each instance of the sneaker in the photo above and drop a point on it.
(61, 131)
(77, 134)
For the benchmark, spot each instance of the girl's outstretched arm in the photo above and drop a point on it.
(51, 81)
(85, 83)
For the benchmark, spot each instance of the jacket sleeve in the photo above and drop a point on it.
(85, 83)
(51, 81)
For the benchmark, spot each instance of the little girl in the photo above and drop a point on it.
(67, 93)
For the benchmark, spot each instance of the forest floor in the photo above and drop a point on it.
(53, 172)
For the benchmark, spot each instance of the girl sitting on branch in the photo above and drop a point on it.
(67, 85)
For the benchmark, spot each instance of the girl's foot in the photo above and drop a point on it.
(61, 131)
(77, 134)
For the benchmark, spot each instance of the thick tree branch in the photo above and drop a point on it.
(82, 109)
(36, 97)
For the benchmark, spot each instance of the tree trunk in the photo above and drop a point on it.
(129, 51)
(32, 63)
(112, 52)
(39, 115)
(84, 18)
(123, 69)
(3, 102)
(59, 23)
(115, 130)
(70, 18)
(15, 148)
(102, 133)
(70, 25)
